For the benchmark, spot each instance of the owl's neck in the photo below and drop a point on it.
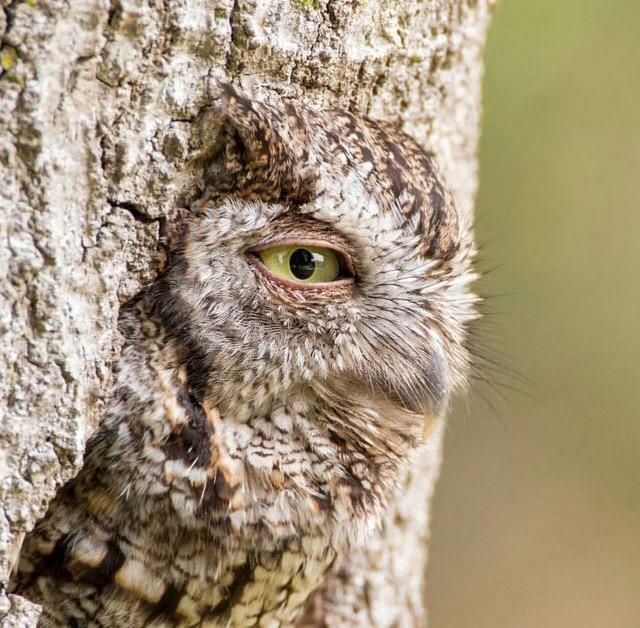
(241, 461)
(205, 510)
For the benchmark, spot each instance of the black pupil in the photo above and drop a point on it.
(302, 263)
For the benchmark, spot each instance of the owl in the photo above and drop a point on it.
(274, 382)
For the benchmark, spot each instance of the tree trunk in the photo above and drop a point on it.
(101, 106)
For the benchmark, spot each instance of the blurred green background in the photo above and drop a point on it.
(537, 513)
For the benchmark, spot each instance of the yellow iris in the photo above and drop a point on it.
(301, 262)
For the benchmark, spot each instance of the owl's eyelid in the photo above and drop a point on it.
(253, 256)
(323, 244)
(256, 262)
(299, 285)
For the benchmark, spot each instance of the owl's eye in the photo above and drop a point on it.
(304, 263)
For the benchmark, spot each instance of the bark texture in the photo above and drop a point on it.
(102, 105)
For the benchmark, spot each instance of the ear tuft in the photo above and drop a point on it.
(263, 150)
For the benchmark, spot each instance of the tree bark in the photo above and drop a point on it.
(102, 104)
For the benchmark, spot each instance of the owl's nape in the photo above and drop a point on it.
(273, 384)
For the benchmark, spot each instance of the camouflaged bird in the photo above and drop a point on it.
(274, 383)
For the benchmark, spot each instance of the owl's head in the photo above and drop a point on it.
(328, 270)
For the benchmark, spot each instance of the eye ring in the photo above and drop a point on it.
(284, 263)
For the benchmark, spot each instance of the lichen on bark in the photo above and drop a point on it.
(102, 105)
